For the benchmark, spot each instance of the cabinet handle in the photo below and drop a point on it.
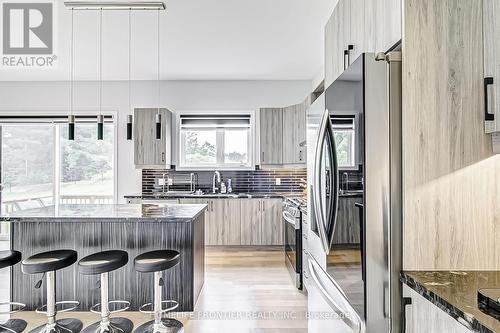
(300, 155)
(346, 56)
(350, 47)
(263, 159)
(263, 206)
(406, 302)
(163, 157)
(487, 116)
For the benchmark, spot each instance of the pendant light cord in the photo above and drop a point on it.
(72, 61)
(158, 57)
(129, 59)
(100, 63)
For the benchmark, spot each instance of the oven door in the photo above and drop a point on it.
(293, 246)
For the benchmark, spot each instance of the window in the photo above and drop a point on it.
(345, 140)
(40, 166)
(215, 141)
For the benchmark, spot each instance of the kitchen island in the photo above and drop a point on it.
(92, 228)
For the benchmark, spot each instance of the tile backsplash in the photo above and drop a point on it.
(252, 181)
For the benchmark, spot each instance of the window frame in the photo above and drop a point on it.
(220, 144)
(30, 117)
(356, 130)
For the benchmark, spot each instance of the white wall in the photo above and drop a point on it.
(47, 97)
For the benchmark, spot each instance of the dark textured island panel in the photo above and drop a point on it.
(456, 294)
(183, 283)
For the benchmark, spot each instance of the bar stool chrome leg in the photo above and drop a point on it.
(159, 324)
(107, 324)
(69, 325)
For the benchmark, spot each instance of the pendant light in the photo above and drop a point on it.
(100, 118)
(158, 114)
(129, 117)
(71, 117)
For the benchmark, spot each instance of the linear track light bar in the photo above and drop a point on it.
(115, 5)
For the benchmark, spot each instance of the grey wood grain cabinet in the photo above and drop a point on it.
(241, 221)
(294, 133)
(337, 36)
(271, 136)
(491, 31)
(424, 317)
(347, 228)
(387, 22)
(272, 225)
(148, 151)
(251, 222)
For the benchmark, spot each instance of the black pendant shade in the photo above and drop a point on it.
(100, 127)
(129, 127)
(158, 126)
(71, 127)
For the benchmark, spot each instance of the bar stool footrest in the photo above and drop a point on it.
(75, 304)
(20, 306)
(171, 305)
(96, 308)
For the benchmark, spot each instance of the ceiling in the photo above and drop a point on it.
(200, 40)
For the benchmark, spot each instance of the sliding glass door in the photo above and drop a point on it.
(40, 166)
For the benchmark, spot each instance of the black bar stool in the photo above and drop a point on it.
(156, 262)
(48, 263)
(102, 263)
(9, 259)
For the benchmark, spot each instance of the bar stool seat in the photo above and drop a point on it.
(156, 261)
(9, 259)
(49, 261)
(102, 262)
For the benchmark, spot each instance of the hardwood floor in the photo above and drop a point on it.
(246, 290)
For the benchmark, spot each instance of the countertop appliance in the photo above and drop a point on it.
(358, 285)
(292, 229)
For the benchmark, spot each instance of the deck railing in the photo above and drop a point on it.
(15, 205)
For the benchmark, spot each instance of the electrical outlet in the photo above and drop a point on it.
(170, 182)
(161, 181)
(278, 181)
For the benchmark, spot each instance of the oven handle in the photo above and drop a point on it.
(289, 219)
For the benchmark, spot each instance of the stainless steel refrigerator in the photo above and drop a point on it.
(357, 288)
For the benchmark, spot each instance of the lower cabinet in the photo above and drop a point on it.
(347, 228)
(242, 221)
(424, 317)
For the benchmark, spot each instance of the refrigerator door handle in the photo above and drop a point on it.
(316, 195)
(326, 230)
(349, 317)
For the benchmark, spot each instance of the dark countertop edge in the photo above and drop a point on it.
(447, 307)
(104, 219)
(211, 196)
(223, 196)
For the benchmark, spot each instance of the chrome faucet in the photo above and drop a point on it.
(216, 175)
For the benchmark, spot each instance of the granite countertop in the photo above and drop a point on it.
(161, 196)
(456, 294)
(108, 213)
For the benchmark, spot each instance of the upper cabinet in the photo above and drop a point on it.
(294, 134)
(150, 152)
(358, 26)
(387, 23)
(271, 136)
(282, 131)
(491, 30)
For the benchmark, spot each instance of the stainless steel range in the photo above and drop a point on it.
(292, 227)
